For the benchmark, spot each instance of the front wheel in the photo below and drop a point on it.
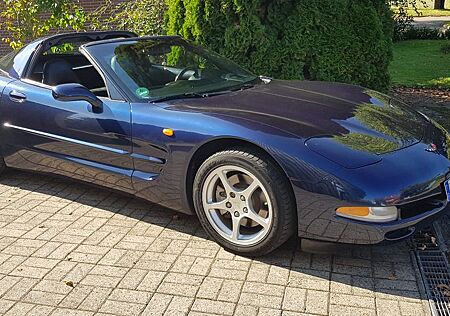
(244, 202)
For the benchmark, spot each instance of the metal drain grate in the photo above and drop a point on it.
(434, 267)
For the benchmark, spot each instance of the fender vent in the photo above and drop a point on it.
(434, 268)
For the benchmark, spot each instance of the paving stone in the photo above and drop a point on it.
(278, 275)
(7, 282)
(269, 312)
(5, 305)
(341, 283)
(294, 299)
(95, 299)
(239, 275)
(339, 310)
(47, 249)
(258, 272)
(387, 307)
(263, 288)
(261, 300)
(130, 296)
(201, 266)
(230, 291)
(352, 300)
(53, 287)
(40, 310)
(151, 281)
(246, 310)
(210, 288)
(183, 278)
(310, 279)
(158, 304)
(76, 296)
(43, 298)
(214, 307)
(20, 308)
(61, 270)
(101, 280)
(179, 305)
(178, 289)
(69, 249)
(71, 312)
(121, 308)
(132, 279)
(410, 309)
(27, 271)
(317, 302)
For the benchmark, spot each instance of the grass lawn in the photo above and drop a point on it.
(420, 63)
(430, 12)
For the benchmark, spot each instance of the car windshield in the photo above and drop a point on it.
(157, 69)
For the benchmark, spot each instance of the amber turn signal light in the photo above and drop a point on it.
(353, 211)
(168, 132)
(378, 214)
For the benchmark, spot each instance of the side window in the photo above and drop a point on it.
(7, 61)
(63, 63)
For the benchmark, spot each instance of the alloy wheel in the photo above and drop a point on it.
(237, 205)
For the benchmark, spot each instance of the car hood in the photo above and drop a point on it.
(334, 120)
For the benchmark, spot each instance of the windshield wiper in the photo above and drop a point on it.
(179, 96)
(189, 95)
(207, 94)
(245, 86)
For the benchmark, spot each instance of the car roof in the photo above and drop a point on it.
(136, 38)
(24, 57)
(88, 36)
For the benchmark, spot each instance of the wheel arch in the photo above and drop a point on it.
(216, 145)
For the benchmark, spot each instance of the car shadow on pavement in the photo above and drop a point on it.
(385, 272)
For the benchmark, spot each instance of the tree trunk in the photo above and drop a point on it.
(439, 4)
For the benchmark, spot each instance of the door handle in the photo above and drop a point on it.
(17, 96)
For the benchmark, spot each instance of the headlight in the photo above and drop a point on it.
(380, 214)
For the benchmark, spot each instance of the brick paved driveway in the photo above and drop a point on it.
(70, 249)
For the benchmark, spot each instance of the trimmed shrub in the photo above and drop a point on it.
(332, 40)
(446, 48)
(425, 33)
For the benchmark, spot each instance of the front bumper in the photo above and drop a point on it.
(317, 221)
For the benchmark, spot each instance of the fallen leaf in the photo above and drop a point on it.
(433, 241)
(392, 277)
(444, 289)
(69, 283)
(422, 247)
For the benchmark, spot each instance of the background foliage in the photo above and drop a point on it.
(342, 40)
(28, 19)
(333, 40)
(144, 17)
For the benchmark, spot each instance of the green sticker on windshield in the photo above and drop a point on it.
(142, 92)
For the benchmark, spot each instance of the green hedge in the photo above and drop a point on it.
(332, 40)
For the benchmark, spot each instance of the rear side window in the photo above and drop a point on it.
(15, 62)
(7, 61)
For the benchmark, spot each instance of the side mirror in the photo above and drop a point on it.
(76, 92)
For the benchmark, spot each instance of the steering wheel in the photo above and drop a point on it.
(184, 71)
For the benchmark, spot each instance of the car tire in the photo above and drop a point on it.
(2, 165)
(271, 205)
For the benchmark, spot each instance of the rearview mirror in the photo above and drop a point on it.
(76, 92)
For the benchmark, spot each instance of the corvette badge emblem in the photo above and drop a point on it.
(433, 148)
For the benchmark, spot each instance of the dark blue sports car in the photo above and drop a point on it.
(256, 159)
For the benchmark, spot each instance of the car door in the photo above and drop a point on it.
(69, 138)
